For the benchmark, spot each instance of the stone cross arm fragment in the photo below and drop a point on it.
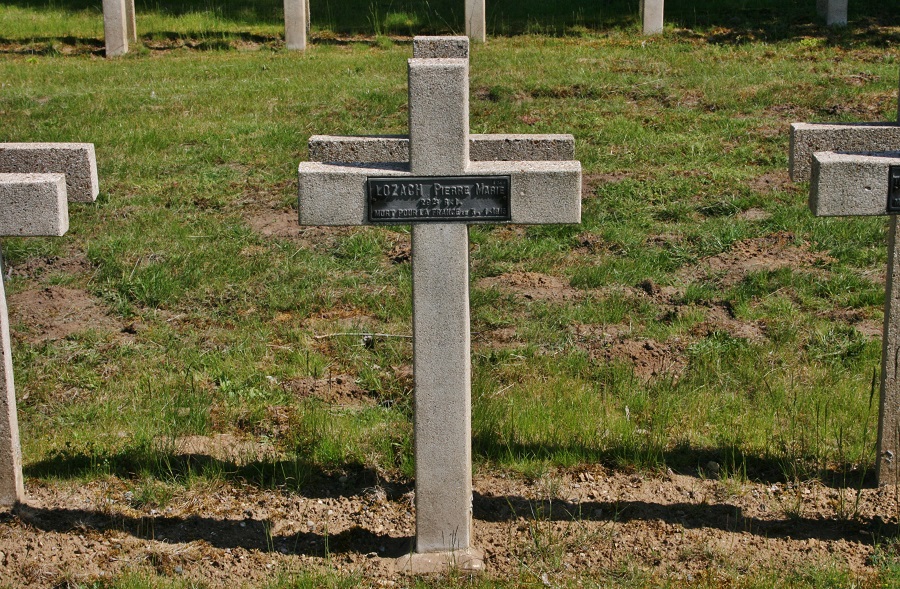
(482, 148)
(809, 138)
(541, 192)
(76, 160)
(33, 205)
(853, 184)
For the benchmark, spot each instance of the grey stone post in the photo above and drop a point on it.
(652, 16)
(476, 21)
(833, 11)
(296, 23)
(34, 201)
(848, 168)
(130, 21)
(544, 187)
(115, 27)
(439, 146)
(12, 488)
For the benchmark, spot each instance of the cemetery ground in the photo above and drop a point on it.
(681, 391)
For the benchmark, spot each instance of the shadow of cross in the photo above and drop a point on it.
(440, 179)
(36, 181)
(854, 170)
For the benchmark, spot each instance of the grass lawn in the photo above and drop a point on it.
(699, 322)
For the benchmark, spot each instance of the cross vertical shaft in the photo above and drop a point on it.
(11, 486)
(439, 145)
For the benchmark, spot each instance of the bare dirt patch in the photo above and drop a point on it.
(649, 358)
(38, 267)
(282, 224)
(561, 525)
(769, 252)
(56, 312)
(532, 286)
(772, 182)
(340, 389)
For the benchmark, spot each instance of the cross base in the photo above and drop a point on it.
(470, 560)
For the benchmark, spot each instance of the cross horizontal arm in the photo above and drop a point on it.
(809, 138)
(540, 192)
(33, 205)
(488, 147)
(76, 160)
(850, 184)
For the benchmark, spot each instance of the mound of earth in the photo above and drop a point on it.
(770, 252)
(559, 526)
(56, 312)
(531, 286)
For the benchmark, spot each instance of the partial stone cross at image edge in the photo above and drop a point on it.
(848, 166)
(332, 191)
(36, 182)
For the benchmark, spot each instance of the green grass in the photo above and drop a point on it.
(190, 144)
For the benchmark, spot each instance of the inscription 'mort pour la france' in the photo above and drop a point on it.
(439, 199)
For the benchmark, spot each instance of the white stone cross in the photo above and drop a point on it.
(296, 23)
(35, 181)
(652, 16)
(438, 170)
(854, 169)
(119, 26)
(833, 11)
(476, 21)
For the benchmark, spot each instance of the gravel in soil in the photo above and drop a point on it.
(560, 525)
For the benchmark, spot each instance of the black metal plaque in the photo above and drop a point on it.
(894, 190)
(438, 199)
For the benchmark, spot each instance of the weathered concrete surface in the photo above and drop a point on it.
(443, 397)
(439, 144)
(541, 192)
(33, 205)
(296, 26)
(652, 16)
(76, 160)
(395, 148)
(441, 47)
(889, 420)
(115, 27)
(809, 138)
(465, 561)
(833, 11)
(438, 116)
(12, 488)
(130, 21)
(476, 21)
(850, 184)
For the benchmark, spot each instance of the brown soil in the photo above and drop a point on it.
(338, 389)
(649, 358)
(40, 267)
(532, 286)
(56, 312)
(282, 223)
(772, 182)
(562, 525)
(769, 252)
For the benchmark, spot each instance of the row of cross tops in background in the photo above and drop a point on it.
(119, 25)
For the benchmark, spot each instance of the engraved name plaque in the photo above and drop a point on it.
(462, 199)
(893, 190)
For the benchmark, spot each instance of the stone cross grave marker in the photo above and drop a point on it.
(296, 23)
(441, 179)
(36, 180)
(652, 16)
(854, 169)
(833, 11)
(120, 26)
(476, 22)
